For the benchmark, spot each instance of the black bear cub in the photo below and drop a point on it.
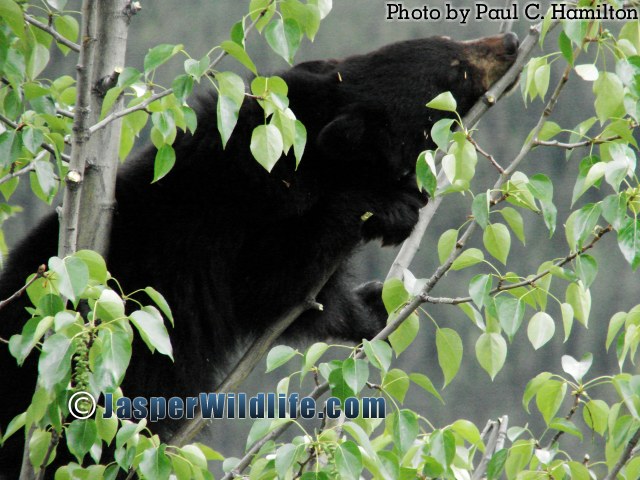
(232, 247)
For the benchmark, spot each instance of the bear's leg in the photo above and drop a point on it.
(347, 314)
(395, 212)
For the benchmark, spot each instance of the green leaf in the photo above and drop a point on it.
(15, 425)
(564, 43)
(312, 355)
(227, 112)
(587, 71)
(155, 464)
(266, 145)
(496, 464)
(160, 301)
(278, 356)
(355, 373)
(497, 241)
(182, 86)
(68, 27)
(615, 324)
(285, 459)
(159, 55)
(595, 414)
(348, 460)
(55, 360)
(81, 435)
(95, 263)
(106, 427)
(109, 306)
(449, 346)
(480, 209)
(629, 241)
(237, 52)
(586, 177)
(339, 387)
(491, 352)
(581, 224)
(541, 329)
(396, 383)
(379, 354)
(541, 79)
(580, 300)
(586, 269)
(479, 289)
(577, 369)
(284, 37)
(567, 426)
(150, 324)
(11, 12)
(71, 276)
(425, 383)
(425, 173)
(405, 430)
(567, 319)
(447, 244)
(405, 334)
(549, 398)
(38, 447)
(444, 101)
(609, 93)
(467, 258)
(261, 10)
(441, 133)
(394, 294)
(300, 141)
(514, 220)
(533, 387)
(467, 430)
(164, 162)
(115, 354)
(510, 311)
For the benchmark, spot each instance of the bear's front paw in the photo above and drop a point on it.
(394, 219)
(370, 296)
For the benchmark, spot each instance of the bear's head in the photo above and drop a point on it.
(378, 100)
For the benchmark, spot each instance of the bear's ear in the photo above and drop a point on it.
(343, 134)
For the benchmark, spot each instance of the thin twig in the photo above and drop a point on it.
(569, 416)
(39, 274)
(45, 146)
(485, 154)
(157, 96)
(29, 168)
(571, 146)
(53, 32)
(525, 283)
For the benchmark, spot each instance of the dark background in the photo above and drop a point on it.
(357, 26)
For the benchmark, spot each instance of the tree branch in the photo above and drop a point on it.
(525, 283)
(252, 356)
(571, 146)
(625, 457)
(39, 274)
(410, 246)
(70, 211)
(53, 32)
(495, 443)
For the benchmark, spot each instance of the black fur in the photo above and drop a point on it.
(232, 247)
